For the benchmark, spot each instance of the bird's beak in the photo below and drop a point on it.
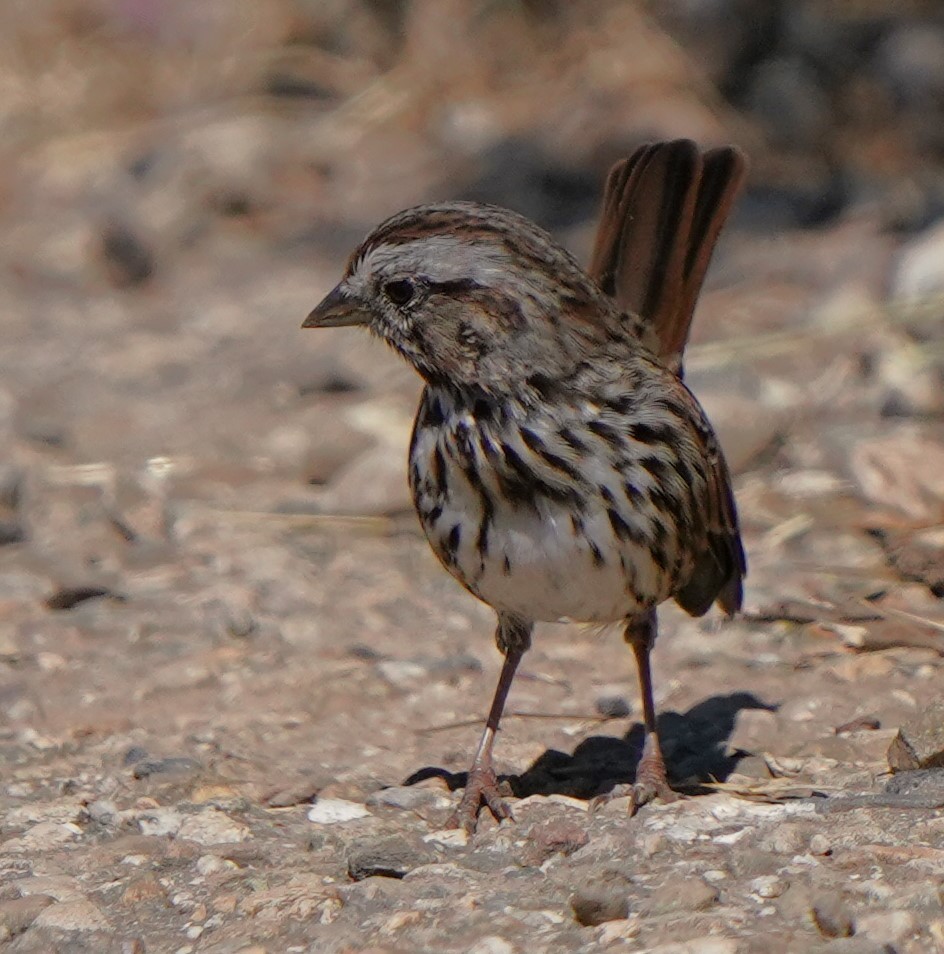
(336, 310)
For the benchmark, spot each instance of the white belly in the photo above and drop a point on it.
(537, 562)
(538, 568)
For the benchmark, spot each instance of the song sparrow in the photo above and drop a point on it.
(560, 467)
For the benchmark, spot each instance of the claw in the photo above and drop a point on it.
(481, 790)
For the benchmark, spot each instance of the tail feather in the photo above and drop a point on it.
(663, 210)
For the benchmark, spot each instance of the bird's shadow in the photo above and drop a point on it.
(694, 743)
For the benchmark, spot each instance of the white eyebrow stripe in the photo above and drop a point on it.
(440, 258)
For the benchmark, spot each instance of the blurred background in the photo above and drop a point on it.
(182, 181)
(206, 540)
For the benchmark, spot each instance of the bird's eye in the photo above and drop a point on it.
(400, 291)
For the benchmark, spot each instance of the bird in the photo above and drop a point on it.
(560, 467)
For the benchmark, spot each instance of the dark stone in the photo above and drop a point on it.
(386, 857)
(181, 765)
(603, 899)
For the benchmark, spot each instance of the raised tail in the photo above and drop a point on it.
(663, 209)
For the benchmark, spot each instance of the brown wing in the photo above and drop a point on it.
(720, 568)
(663, 209)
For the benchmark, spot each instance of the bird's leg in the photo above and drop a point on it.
(651, 781)
(481, 787)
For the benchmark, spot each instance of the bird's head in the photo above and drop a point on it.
(473, 295)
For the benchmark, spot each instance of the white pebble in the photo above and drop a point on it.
(335, 811)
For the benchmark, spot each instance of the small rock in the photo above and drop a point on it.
(134, 754)
(854, 945)
(405, 797)
(920, 271)
(143, 889)
(104, 813)
(820, 845)
(403, 673)
(390, 857)
(72, 916)
(180, 765)
(862, 723)
(768, 886)
(831, 917)
(335, 811)
(59, 887)
(17, 914)
(493, 945)
(624, 929)
(448, 837)
(685, 894)
(652, 843)
(927, 784)
(402, 919)
(157, 822)
(886, 927)
(43, 836)
(698, 945)
(788, 838)
(613, 707)
(919, 743)
(606, 898)
(555, 836)
(302, 794)
(212, 864)
(212, 827)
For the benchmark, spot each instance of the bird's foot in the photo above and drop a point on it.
(651, 782)
(481, 791)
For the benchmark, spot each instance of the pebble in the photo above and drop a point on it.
(919, 743)
(158, 822)
(207, 865)
(624, 929)
(448, 837)
(388, 857)
(493, 945)
(613, 707)
(104, 812)
(768, 886)
(921, 267)
(59, 887)
(831, 917)
(212, 827)
(43, 836)
(554, 836)
(405, 797)
(820, 845)
(17, 914)
(72, 916)
(886, 927)
(143, 889)
(606, 898)
(335, 811)
(684, 894)
(179, 766)
(854, 945)
(302, 794)
(698, 945)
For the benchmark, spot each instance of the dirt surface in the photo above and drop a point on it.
(225, 649)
